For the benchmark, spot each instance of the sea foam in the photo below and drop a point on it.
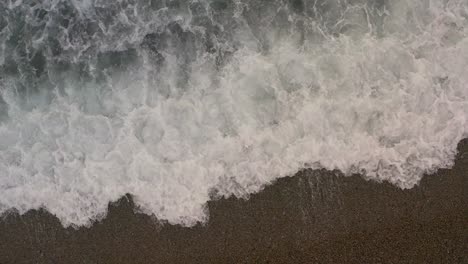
(172, 101)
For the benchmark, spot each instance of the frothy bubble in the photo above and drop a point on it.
(172, 101)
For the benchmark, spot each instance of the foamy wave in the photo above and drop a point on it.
(172, 102)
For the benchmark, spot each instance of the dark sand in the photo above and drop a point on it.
(313, 217)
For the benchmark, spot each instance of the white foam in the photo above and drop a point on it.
(392, 107)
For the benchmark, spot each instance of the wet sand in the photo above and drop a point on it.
(313, 217)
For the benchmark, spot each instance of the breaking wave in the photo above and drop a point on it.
(172, 100)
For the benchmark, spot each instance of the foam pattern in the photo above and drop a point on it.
(177, 101)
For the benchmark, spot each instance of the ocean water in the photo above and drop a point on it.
(176, 100)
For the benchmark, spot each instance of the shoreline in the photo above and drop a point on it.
(315, 216)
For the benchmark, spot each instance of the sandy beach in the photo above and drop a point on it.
(313, 217)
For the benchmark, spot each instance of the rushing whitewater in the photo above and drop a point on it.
(174, 100)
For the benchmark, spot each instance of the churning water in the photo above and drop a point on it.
(171, 100)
